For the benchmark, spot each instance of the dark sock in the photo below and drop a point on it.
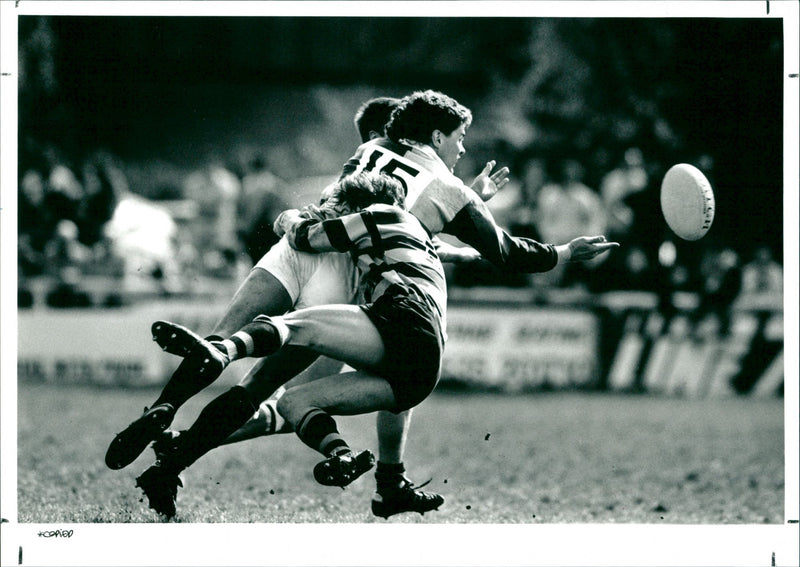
(318, 430)
(389, 475)
(259, 338)
(266, 338)
(221, 417)
(185, 382)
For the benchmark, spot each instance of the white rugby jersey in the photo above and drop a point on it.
(390, 247)
(443, 203)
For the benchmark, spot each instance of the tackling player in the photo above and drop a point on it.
(427, 132)
(282, 280)
(395, 340)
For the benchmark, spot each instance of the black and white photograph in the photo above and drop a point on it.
(230, 231)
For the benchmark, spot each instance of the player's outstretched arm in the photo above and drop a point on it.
(488, 183)
(475, 226)
(584, 248)
(454, 254)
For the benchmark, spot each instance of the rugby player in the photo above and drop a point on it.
(282, 280)
(395, 340)
(425, 142)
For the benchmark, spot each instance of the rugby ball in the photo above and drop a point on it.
(687, 201)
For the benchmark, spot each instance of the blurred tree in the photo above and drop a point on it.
(591, 87)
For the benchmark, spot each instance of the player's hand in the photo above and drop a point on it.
(488, 183)
(458, 255)
(286, 220)
(587, 247)
(454, 254)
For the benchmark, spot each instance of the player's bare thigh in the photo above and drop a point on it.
(349, 393)
(343, 332)
(284, 279)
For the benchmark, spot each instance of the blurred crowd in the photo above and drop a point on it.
(84, 223)
(80, 221)
(552, 200)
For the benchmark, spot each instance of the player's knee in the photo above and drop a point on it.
(290, 405)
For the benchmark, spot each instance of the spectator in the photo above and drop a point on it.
(628, 179)
(568, 209)
(259, 206)
(216, 190)
(143, 236)
(722, 282)
(525, 217)
(34, 228)
(762, 279)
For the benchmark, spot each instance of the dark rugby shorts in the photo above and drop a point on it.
(413, 341)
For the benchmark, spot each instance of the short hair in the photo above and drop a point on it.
(360, 190)
(422, 112)
(373, 115)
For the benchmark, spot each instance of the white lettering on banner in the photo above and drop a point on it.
(116, 372)
(510, 349)
(106, 346)
(469, 331)
(517, 349)
(559, 373)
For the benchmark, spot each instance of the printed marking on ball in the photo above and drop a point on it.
(687, 201)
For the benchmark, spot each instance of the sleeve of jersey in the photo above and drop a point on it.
(474, 225)
(343, 234)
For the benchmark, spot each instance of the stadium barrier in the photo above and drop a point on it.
(729, 352)
(629, 346)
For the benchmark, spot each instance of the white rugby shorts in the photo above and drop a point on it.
(312, 279)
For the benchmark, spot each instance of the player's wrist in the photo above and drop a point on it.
(564, 252)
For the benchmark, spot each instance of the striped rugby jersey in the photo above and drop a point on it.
(390, 247)
(443, 203)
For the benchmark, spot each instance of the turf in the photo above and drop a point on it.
(548, 458)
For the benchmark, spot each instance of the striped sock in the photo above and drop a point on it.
(318, 430)
(262, 337)
(274, 420)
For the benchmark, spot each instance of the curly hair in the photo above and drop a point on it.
(422, 112)
(360, 190)
(373, 115)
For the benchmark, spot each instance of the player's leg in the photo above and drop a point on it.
(271, 287)
(309, 408)
(312, 279)
(395, 493)
(229, 411)
(284, 277)
(276, 281)
(392, 429)
(195, 373)
(267, 420)
(221, 417)
(267, 377)
(261, 292)
(333, 281)
(343, 332)
(351, 336)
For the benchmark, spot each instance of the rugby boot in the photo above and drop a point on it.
(341, 470)
(404, 498)
(161, 488)
(200, 356)
(166, 444)
(129, 444)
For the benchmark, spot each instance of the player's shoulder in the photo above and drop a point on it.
(387, 209)
(390, 214)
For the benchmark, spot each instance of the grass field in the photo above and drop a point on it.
(550, 458)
